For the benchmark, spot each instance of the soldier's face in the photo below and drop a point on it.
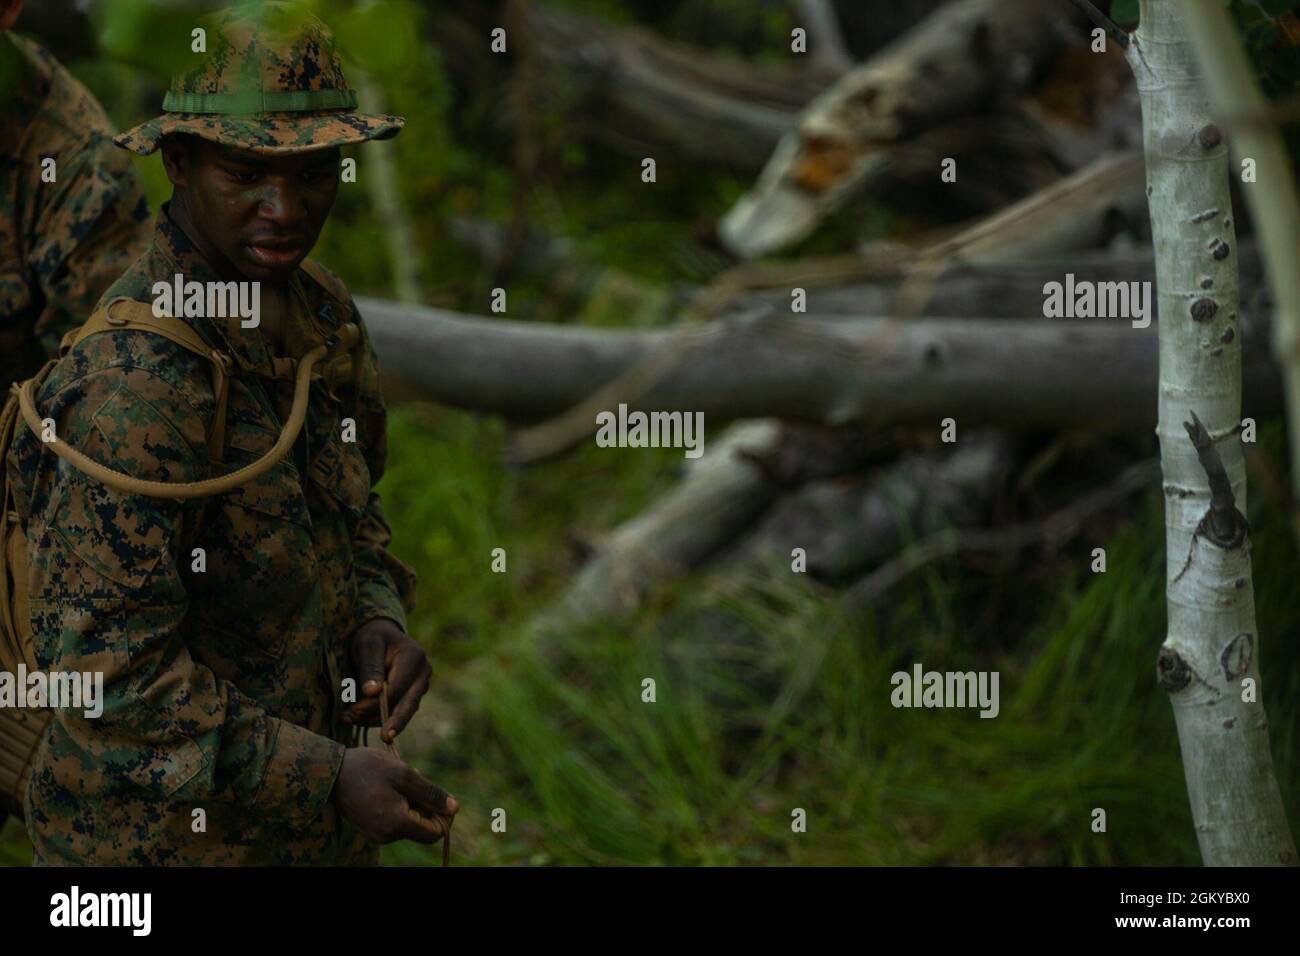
(260, 215)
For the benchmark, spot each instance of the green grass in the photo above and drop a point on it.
(770, 699)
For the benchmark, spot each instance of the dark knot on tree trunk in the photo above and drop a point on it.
(1172, 672)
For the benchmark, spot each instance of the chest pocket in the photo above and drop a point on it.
(339, 470)
(277, 492)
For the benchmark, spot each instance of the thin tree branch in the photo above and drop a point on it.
(384, 186)
(1110, 26)
(828, 44)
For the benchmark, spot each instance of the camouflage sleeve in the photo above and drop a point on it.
(107, 597)
(385, 584)
(90, 225)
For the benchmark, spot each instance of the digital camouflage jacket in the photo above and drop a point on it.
(222, 682)
(62, 242)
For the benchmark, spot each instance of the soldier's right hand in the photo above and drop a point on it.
(387, 800)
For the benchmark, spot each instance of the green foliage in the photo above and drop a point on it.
(1276, 8)
(151, 35)
(1277, 61)
(770, 698)
(445, 486)
(1124, 12)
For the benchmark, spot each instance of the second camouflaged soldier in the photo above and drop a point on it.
(72, 218)
(226, 626)
(72, 215)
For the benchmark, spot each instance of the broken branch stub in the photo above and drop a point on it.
(951, 65)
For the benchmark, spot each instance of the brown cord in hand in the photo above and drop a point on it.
(391, 745)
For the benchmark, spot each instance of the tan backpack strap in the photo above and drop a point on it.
(335, 373)
(344, 339)
(127, 313)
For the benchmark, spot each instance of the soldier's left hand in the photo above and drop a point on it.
(382, 650)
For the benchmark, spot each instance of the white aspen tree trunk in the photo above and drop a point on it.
(1209, 663)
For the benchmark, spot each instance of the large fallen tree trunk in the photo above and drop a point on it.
(1092, 374)
(1064, 216)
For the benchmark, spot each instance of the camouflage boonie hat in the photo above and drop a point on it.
(270, 82)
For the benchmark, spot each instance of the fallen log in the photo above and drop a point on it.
(1080, 214)
(1003, 290)
(959, 61)
(721, 495)
(766, 362)
(703, 521)
(846, 526)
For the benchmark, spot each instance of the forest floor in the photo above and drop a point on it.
(770, 699)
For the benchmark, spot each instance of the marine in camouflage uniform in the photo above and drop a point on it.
(222, 685)
(61, 242)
